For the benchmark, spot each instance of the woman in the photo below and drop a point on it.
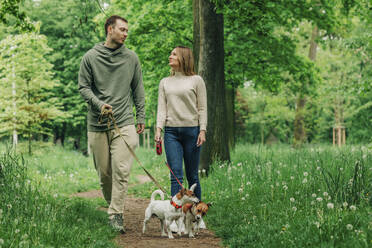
(182, 113)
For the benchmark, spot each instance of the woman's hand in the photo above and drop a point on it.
(158, 134)
(201, 138)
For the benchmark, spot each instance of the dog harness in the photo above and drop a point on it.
(175, 205)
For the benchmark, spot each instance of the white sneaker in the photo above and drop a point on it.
(202, 224)
(173, 227)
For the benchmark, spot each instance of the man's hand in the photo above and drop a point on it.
(201, 138)
(106, 107)
(140, 128)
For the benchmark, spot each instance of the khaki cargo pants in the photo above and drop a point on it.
(113, 162)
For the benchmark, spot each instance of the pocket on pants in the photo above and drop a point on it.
(130, 135)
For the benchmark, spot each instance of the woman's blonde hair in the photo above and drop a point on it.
(185, 60)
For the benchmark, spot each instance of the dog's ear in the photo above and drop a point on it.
(209, 204)
(192, 188)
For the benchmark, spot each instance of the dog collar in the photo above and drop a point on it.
(175, 205)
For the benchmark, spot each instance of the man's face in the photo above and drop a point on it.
(118, 32)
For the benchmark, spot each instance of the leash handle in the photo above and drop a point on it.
(158, 147)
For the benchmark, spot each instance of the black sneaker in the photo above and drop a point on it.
(116, 222)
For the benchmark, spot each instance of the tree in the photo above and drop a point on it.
(11, 13)
(211, 68)
(26, 80)
(71, 32)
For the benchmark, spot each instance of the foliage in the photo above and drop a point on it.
(267, 117)
(26, 79)
(71, 33)
(34, 218)
(10, 13)
(314, 196)
(155, 28)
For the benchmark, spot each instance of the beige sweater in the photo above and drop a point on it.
(182, 102)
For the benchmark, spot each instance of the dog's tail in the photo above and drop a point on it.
(157, 192)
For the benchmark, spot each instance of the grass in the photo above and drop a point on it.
(281, 197)
(31, 217)
(266, 197)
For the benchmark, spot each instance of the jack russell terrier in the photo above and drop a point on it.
(167, 211)
(193, 213)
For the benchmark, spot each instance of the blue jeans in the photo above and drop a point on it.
(180, 144)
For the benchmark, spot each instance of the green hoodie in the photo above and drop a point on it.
(115, 78)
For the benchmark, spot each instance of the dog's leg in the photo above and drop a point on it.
(191, 233)
(179, 225)
(186, 224)
(167, 225)
(163, 234)
(147, 218)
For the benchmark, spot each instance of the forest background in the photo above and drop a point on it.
(291, 70)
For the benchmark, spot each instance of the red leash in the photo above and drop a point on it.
(159, 152)
(174, 175)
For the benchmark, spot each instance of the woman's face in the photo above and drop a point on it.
(173, 60)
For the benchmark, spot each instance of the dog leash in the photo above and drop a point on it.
(159, 151)
(110, 118)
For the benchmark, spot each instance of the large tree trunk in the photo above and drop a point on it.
(196, 33)
(299, 123)
(211, 68)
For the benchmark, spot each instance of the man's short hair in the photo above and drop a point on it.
(111, 21)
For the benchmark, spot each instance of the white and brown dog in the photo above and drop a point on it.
(167, 211)
(193, 213)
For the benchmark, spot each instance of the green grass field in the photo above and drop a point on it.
(317, 196)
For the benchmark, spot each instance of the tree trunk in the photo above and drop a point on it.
(211, 68)
(299, 123)
(196, 34)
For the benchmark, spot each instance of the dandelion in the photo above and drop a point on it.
(304, 181)
(292, 177)
(55, 195)
(344, 204)
(239, 164)
(317, 224)
(243, 198)
(240, 190)
(330, 205)
(292, 199)
(318, 168)
(204, 171)
(9, 206)
(294, 209)
(17, 231)
(285, 187)
(319, 199)
(1, 241)
(349, 227)
(352, 207)
(249, 183)
(313, 195)
(325, 194)
(306, 174)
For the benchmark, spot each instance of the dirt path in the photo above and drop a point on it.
(133, 218)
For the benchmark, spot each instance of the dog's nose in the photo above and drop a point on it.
(198, 217)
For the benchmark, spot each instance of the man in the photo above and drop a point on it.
(110, 78)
